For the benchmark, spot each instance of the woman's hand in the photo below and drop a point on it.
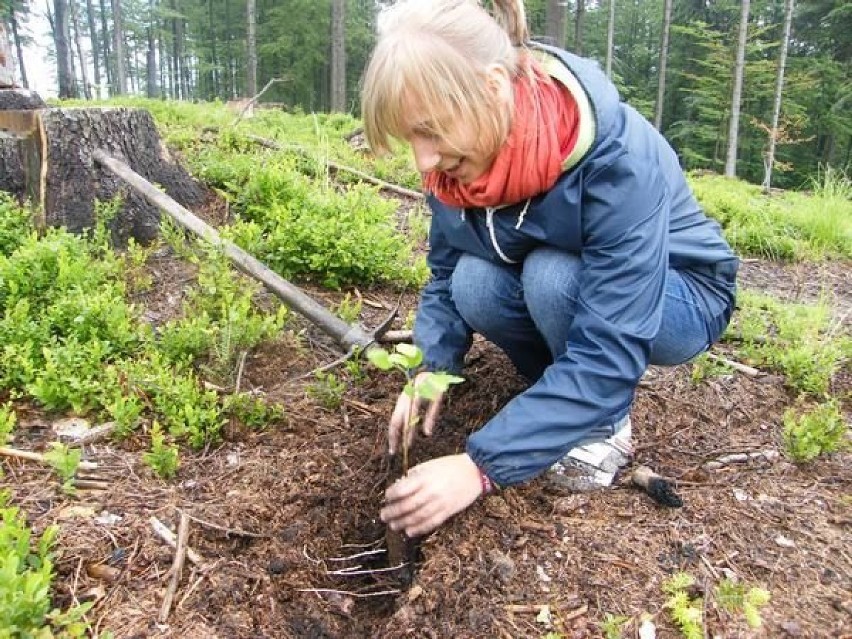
(431, 493)
(405, 410)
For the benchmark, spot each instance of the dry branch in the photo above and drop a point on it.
(737, 366)
(334, 166)
(254, 100)
(38, 457)
(164, 533)
(347, 336)
(96, 434)
(177, 567)
(396, 337)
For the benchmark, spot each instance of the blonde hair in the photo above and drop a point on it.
(435, 54)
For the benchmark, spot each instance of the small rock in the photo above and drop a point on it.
(76, 512)
(570, 504)
(647, 630)
(107, 518)
(103, 572)
(740, 494)
(792, 628)
(502, 565)
(543, 576)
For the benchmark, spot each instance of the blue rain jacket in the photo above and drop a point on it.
(627, 210)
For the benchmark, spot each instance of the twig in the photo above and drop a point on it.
(357, 595)
(91, 484)
(177, 567)
(252, 102)
(168, 536)
(38, 457)
(737, 366)
(227, 531)
(327, 367)
(240, 373)
(740, 458)
(396, 337)
(366, 177)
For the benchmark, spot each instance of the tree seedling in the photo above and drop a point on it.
(407, 358)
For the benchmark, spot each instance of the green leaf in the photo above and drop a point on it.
(380, 358)
(413, 354)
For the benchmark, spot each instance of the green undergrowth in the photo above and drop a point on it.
(71, 341)
(789, 226)
(805, 344)
(26, 579)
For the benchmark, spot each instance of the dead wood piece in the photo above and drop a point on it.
(737, 366)
(348, 336)
(334, 166)
(741, 458)
(38, 457)
(177, 567)
(252, 102)
(164, 533)
(227, 531)
(95, 434)
(660, 490)
(397, 337)
(91, 484)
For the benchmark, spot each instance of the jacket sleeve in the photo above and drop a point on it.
(625, 212)
(439, 330)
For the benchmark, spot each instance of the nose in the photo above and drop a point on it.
(426, 155)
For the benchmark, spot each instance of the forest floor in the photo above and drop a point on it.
(275, 510)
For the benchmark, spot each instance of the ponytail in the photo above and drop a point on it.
(510, 14)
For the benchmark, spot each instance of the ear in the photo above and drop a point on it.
(498, 82)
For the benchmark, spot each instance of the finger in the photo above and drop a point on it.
(395, 427)
(403, 488)
(432, 415)
(425, 521)
(397, 512)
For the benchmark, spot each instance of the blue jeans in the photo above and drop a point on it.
(526, 309)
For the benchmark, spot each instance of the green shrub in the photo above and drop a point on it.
(15, 224)
(814, 433)
(26, 576)
(162, 458)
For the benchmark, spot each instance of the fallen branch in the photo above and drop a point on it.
(227, 531)
(38, 457)
(177, 567)
(742, 458)
(388, 186)
(90, 484)
(737, 366)
(346, 335)
(252, 102)
(96, 434)
(164, 533)
(397, 337)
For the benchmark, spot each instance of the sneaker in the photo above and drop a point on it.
(595, 464)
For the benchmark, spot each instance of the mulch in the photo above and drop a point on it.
(277, 512)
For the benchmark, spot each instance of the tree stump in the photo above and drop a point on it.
(20, 99)
(46, 157)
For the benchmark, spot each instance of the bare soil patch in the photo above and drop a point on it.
(274, 510)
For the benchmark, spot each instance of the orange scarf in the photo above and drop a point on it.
(543, 133)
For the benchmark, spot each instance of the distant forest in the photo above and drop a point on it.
(731, 84)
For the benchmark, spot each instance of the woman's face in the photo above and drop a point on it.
(434, 153)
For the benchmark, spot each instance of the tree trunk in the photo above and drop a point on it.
(63, 52)
(19, 48)
(151, 89)
(45, 140)
(664, 59)
(96, 47)
(7, 62)
(734, 124)
(120, 85)
(338, 55)
(84, 76)
(555, 19)
(251, 45)
(779, 88)
(105, 39)
(578, 27)
(610, 36)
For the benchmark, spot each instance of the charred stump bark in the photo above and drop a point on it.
(46, 156)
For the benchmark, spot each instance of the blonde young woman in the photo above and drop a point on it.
(563, 230)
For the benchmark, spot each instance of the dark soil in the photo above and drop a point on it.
(276, 510)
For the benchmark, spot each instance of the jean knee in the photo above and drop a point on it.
(481, 291)
(550, 275)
